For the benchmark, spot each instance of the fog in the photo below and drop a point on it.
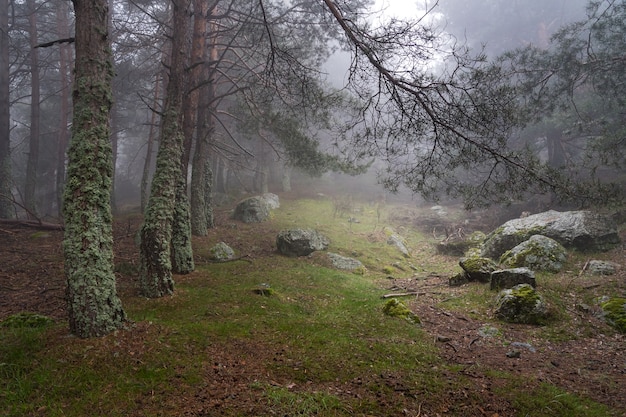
(247, 157)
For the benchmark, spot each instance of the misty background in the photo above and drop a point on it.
(246, 156)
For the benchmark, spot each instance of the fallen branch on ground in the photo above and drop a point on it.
(402, 294)
(33, 224)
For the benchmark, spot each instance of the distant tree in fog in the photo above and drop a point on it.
(443, 118)
(502, 25)
(577, 86)
(6, 205)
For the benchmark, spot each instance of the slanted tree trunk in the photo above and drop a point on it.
(93, 305)
(33, 143)
(156, 233)
(6, 205)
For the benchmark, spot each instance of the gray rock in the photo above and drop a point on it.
(488, 331)
(397, 241)
(539, 253)
(521, 304)
(300, 242)
(343, 262)
(602, 267)
(272, 200)
(509, 278)
(477, 268)
(221, 252)
(582, 230)
(252, 210)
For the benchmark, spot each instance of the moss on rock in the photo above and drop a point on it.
(478, 268)
(395, 308)
(539, 253)
(615, 313)
(521, 304)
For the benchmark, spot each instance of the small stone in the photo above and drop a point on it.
(513, 354)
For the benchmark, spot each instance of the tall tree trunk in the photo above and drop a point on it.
(114, 121)
(147, 165)
(201, 210)
(114, 138)
(182, 252)
(286, 178)
(33, 143)
(156, 232)
(65, 58)
(6, 204)
(93, 305)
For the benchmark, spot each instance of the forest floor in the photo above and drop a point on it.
(592, 364)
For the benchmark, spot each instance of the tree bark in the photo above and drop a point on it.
(65, 59)
(93, 305)
(33, 144)
(147, 165)
(156, 233)
(6, 205)
(201, 211)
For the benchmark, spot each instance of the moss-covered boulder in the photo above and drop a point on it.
(477, 268)
(521, 304)
(582, 230)
(538, 253)
(395, 308)
(614, 312)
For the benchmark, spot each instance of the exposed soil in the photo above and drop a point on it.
(592, 365)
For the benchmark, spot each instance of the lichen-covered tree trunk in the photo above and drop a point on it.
(93, 305)
(182, 252)
(6, 205)
(156, 233)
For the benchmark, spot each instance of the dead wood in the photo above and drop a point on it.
(32, 224)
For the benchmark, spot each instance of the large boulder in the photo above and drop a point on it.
(582, 230)
(252, 210)
(300, 242)
(521, 304)
(477, 268)
(509, 278)
(539, 253)
(272, 200)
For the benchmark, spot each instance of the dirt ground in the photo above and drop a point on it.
(593, 364)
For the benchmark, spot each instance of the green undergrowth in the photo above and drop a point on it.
(316, 343)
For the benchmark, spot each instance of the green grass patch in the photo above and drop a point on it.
(317, 342)
(546, 400)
